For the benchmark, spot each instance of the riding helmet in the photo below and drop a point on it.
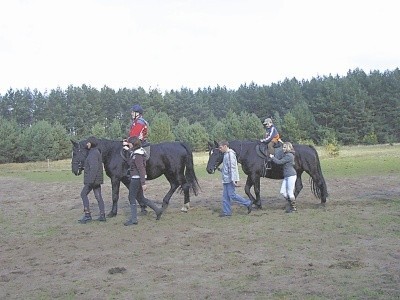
(137, 108)
(267, 121)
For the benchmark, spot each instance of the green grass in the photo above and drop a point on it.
(357, 160)
(352, 161)
(51, 171)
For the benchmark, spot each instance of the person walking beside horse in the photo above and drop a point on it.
(289, 174)
(230, 178)
(137, 164)
(92, 180)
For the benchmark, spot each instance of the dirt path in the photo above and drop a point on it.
(349, 248)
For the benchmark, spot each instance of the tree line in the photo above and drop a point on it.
(358, 108)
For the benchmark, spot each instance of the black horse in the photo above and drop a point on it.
(254, 166)
(174, 160)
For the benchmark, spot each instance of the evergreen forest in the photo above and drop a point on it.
(358, 108)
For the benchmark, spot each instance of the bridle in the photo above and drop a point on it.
(238, 155)
(219, 156)
(241, 150)
(79, 163)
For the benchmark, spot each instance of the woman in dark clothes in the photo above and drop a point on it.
(137, 164)
(93, 179)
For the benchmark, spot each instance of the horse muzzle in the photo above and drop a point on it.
(211, 170)
(77, 168)
(77, 172)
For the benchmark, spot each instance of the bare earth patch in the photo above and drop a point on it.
(349, 248)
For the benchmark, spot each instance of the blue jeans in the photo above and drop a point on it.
(230, 195)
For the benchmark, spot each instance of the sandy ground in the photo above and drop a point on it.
(348, 248)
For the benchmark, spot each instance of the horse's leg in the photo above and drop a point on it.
(298, 185)
(249, 184)
(168, 196)
(175, 183)
(257, 190)
(115, 185)
(186, 201)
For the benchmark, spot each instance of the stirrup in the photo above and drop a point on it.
(268, 165)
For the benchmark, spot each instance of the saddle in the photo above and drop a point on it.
(262, 151)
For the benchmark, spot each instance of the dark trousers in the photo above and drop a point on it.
(136, 193)
(87, 188)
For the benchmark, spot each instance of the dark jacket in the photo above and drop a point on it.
(271, 134)
(288, 164)
(93, 171)
(137, 164)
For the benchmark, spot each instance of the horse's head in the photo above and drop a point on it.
(79, 154)
(215, 157)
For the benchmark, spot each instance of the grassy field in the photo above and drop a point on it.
(353, 161)
(348, 249)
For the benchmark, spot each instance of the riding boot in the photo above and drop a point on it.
(293, 205)
(102, 217)
(288, 208)
(133, 218)
(154, 207)
(86, 218)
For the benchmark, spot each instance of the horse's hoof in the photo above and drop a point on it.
(130, 222)
(185, 207)
(143, 212)
(111, 214)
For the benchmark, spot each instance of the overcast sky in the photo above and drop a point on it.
(170, 44)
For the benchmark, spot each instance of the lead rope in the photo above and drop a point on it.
(238, 155)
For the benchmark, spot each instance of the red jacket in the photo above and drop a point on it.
(139, 129)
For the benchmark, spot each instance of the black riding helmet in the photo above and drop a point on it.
(137, 108)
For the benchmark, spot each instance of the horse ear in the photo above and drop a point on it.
(73, 142)
(210, 146)
(216, 144)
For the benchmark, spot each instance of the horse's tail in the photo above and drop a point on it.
(190, 175)
(318, 185)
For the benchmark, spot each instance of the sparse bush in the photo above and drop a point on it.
(370, 139)
(332, 149)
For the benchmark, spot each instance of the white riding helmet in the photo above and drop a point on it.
(267, 121)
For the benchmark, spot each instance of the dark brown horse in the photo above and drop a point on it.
(253, 165)
(174, 160)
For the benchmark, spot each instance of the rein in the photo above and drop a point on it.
(122, 152)
(241, 150)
